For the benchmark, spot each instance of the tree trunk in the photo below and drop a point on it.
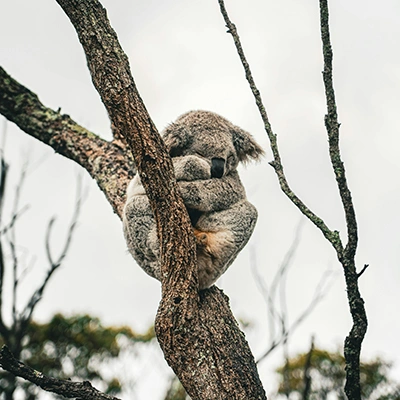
(200, 337)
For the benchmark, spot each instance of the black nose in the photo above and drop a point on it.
(217, 167)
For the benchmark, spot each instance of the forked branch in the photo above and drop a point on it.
(345, 255)
(106, 162)
(199, 335)
(331, 236)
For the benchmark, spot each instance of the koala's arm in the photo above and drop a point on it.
(187, 168)
(213, 194)
(191, 168)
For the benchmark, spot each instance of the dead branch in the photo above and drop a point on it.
(352, 345)
(345, 255)
(26, 314)
(278, 318)
(286, 329)
(363, 270)
(331, 236)
(11, 237)
(3, 175)
(68, 389)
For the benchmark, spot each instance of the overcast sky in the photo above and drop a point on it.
(182, 59)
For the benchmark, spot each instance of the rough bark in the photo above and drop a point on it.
(198, 333)
(353, 342)
(109, 163)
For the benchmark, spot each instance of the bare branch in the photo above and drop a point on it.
(3, 175)
(363, 270)
(26, 315)
(13, 220)
(277, 281)
(68, 389)
(12, 241)
(332, 126)
(345, 255)
(352, 345)
(3, 180)
(108, 163)
(332, 236)
(320, 292)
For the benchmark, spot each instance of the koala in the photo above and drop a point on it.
(205, 149)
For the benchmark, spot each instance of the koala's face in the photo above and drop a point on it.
(216, 148)
(213, 138)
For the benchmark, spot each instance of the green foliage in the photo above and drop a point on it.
(327, 374)
(76, 348)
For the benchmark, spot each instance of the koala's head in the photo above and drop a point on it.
(212, 138)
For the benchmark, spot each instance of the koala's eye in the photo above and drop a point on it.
(231, 159)
(200, 154)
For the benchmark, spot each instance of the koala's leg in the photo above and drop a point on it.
(141, 234)
(220, 237)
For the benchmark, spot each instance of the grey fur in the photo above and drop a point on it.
(205, 149)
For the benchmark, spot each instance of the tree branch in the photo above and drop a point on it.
(332, 236)
(12, 243)
(26, 314)
(107, 162)
(3, 175)
(346, 256)
(199, 336)
(352, 344)
(332, 126)
(69, 389)
(110, 71)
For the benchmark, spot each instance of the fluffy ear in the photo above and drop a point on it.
(245, 145)
(176, 138)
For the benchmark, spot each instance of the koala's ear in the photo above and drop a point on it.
(176, 138)
(245, 145)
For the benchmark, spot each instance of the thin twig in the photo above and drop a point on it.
(282, 274)
(68, 389)
(13, 220)
(3, 179)
(273, 313)
(363, 270)
(332, 236)
(321, 291)
(26, 315)
(12, 242)
(278, 280)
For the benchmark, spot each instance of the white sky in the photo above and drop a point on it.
(182, 59)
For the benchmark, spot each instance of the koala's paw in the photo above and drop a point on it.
(201, 238)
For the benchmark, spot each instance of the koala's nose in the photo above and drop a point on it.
(217, 167)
